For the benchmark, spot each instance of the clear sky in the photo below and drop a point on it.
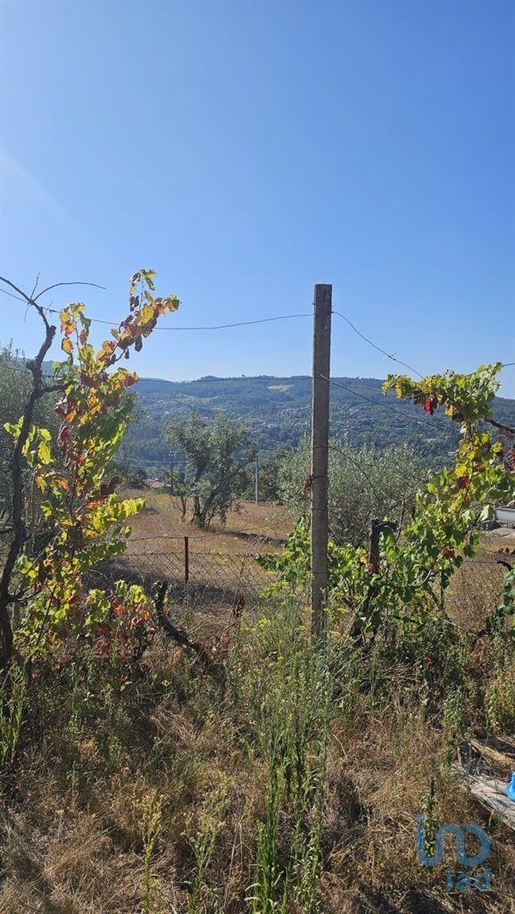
(247, 149)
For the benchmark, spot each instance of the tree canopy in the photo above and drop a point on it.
(215, 455)
(364, 483)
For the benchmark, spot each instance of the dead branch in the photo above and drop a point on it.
(55, 285)
(182, 638)
(19, 535)
(18, 526)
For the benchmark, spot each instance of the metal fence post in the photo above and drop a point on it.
(186, 560)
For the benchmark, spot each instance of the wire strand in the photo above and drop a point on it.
(263, 320)
(375, 346)
(375, 402)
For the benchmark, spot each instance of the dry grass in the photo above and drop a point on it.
(475, 590)
(73, 824)
(264, 525)
(105, 753)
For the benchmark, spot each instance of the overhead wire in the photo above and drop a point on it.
(383, 403)
(334, 383)
(262, 320)
(267, 320)
(375, 346)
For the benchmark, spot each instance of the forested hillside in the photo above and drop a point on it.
(278, 412)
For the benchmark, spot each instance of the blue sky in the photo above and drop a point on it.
(247, 149)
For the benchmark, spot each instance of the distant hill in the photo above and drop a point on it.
(278, 410)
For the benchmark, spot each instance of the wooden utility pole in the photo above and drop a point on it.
(319, 456)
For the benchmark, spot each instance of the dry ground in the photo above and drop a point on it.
(266, 526)
(145, 793)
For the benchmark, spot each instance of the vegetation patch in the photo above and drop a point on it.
(158, 756)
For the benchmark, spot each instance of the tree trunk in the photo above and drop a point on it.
(198, 518)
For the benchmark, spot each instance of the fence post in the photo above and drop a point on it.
(319, 457)
(186, 560)
(373, 556)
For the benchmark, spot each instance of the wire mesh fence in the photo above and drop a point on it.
(211, 580)
(200, 579)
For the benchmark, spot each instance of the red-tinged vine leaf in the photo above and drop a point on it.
(63, 439)
(77, 498)
(105, 355)
(44, 571)
(68, 324)
(66, 409)
(75, 537)
(88, 380)
(463, 482)
(430, 404)
(448, 553)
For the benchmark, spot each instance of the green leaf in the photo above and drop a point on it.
(44, 452)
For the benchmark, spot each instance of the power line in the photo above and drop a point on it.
(375, 346)
(263, 320)
(375, 402)
(440, 429)
(388, 354)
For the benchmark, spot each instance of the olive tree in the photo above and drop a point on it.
(215, 454)
(364, 483)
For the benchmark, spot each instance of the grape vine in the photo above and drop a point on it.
(86, 518)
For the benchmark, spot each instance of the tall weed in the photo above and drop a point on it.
(292, 725)
(12, 705)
